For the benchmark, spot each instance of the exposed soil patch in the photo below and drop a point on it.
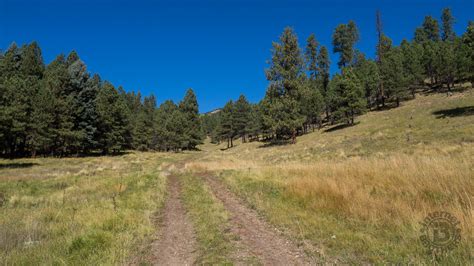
(176, 241)
(259, 238)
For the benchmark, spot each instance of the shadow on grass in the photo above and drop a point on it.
(454, 112)
(273, 143)
(17, 165)
(339, 127)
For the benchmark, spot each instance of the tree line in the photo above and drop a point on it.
(60, 109)
(302, 96)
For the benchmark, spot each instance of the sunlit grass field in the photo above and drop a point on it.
(360, 193)
(79, 211)
(357, 194)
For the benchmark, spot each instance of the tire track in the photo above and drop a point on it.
(260, 239)
(176, 241)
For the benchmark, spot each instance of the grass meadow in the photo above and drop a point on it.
(79, 211)
(359, 193)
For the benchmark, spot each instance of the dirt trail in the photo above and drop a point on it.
(176, 241)
(259, 238)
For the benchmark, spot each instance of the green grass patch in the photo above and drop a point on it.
(79, 211)
(210, 221)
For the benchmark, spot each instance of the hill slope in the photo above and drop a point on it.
(359, 193)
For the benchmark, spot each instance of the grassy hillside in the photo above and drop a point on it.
(78, 211)
(359, 193)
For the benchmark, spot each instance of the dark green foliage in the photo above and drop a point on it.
(189, 108)
(255, 122)
(343, 39)
(447, 19)
(347, 96)
(312, 104)
(286, 75)
(241, 117)
(61, 109)
(368, 73)
(394, 76)
(227, 128)
(429, 31)
(112, 119)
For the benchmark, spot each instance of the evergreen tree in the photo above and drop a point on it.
(311, 56)
(466, 54)
(447, 19)
(87, 113)
(282, 112)
(241, 116)
(429, 30)
(255, 123)
(112, 119)
(190, 109)
(227, 129)
(324, 77)
(412, 64)
(367, 72)
(393, 75)
(343, 39)
(78, 79)
(312, 104)
(346, 96)
(56, 80)
(42, 117)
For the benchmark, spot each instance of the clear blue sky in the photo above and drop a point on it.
(217, 47)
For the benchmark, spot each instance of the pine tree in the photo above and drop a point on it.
(42, 117)
(190, 109)
(343, 39)
(447, 19)
(311, 56)
(227, 129)
(346, 96)
(87, 113)
(282, 112)
(368, 73)
(312, 104)
(78, 79)
(393, 74)
(412, 64)
(255, 123)
(56, 80)
(241, 118)
(112, 119)
(324, 77)
(466, 54)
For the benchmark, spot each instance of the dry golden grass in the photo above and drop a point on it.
(376, 180)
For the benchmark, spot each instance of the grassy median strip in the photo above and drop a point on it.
(210, 221)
